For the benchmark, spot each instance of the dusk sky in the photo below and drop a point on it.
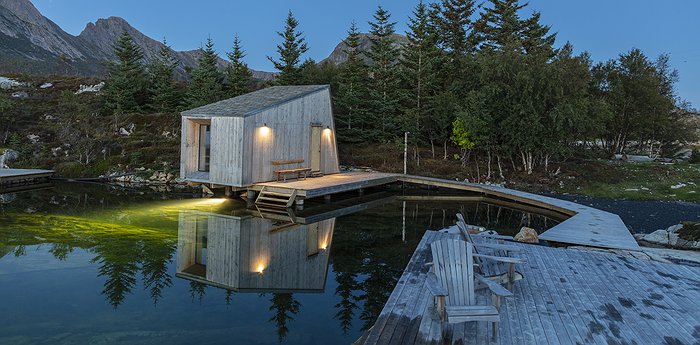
(604, 28)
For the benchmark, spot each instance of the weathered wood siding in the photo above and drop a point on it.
(226, 156)
(186, 240)
(188, 147)
(223, 250)
(237, 248)
(241, 153)
(289, 136)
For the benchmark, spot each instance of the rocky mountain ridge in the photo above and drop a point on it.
(32, 43)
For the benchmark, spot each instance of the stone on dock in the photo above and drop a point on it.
(527, 235)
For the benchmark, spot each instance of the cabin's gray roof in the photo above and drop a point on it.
(254, 102)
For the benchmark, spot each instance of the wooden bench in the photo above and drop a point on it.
(299, 170)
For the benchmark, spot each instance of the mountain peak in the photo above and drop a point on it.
(23, 9)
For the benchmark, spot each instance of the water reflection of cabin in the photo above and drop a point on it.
(253, 254)
(233, 142)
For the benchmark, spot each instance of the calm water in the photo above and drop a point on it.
(94, 264)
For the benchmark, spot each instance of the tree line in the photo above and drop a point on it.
(480, 77)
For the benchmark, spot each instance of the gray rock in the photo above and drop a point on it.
(527, 235)
(19, 94)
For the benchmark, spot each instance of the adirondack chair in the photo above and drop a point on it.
(501, 255)
(454, 283)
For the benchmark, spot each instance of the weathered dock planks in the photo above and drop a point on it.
(566, 297)
(15, 177)
(585, 226)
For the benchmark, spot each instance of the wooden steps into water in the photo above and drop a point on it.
(275, 199)
(566, 297)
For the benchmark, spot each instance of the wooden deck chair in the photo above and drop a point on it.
(501, 255)
(454, 284)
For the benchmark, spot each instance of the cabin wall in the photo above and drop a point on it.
(238, 248)
(226, 155)
(188, 147)
(288, 137)
(223, 250)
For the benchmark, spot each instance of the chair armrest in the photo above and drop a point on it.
(500, 258)
(435, 288)
(497, 246)
(498, 237)
(496, 288)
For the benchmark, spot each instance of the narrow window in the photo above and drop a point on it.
(204, 146)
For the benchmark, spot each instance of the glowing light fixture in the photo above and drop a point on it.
(324, 246)
(264, 130)
(260, 269)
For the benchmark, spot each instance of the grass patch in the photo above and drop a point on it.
(638, 181)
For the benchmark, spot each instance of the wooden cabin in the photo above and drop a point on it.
(253, 254)
(244, 140)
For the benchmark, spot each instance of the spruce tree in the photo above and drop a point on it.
(290, 52)
(501, 27)
(206, 81)
(240, 79)
(384, 86)
(418, 69)
(352, 90)
(165, 95)
(125, 88)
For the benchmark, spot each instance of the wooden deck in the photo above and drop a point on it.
(566, 297)
(586, 226)
(23, 176)
(330, 184)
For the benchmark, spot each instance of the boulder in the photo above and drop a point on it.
(19, 94)
(670, 238)
(527, 235)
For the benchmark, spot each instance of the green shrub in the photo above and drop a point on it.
(694, 156)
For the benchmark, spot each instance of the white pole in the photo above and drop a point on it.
(405, 152)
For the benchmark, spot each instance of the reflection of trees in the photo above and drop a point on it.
(61, 250)
(197, 291)
(346, 307)
(155, 259)
(119, 265)
(284, 305)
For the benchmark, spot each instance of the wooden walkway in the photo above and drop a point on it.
(566, 297)
(586, 226)
(329, 184)
(23, 176)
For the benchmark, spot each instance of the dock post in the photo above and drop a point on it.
(300, 204)
(251, 197)
(228, 191)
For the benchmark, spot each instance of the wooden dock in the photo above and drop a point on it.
(566, 297)
(585, 226)
(15, 177)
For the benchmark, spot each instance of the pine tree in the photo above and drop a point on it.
(501, 27)
(418, 69)
(290, 52)
(125, 89)
(240, 79)
(384, 90)
(206, 84)
(165, 96)
(453, 20)
(352, 90)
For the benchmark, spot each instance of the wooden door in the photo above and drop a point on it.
(315, 154)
